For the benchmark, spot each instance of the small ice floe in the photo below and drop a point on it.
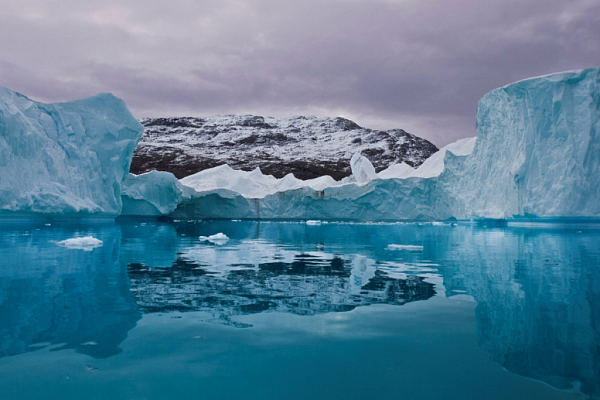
(89, 368)
(218, 238)
(86, 243)
(313, 222)
(408, 247)
(89, 344)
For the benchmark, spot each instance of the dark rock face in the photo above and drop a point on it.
(308, 147)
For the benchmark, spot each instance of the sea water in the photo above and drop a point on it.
(299, 311)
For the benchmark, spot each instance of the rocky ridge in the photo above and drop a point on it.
(308, 147)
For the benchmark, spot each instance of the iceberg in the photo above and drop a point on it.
(152, 194)
(253, 184)
(64, 159)
(537, 153)
(362, 169)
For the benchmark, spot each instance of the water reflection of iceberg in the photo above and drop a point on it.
(72, 299)
(537, 289)
(538, 301)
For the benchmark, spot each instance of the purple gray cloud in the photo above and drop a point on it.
(413, 64)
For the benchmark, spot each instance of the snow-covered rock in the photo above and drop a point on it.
(307, 147)
(152, 194)
(66, 159)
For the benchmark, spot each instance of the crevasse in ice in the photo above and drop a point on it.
(64, 159)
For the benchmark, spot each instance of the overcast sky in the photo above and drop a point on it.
(419, 65)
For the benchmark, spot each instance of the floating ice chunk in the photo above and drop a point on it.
(408, 247)
(362, 169)
(218, 238)
(313, 222)
(86, 243)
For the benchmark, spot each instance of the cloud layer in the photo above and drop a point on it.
(420, 65)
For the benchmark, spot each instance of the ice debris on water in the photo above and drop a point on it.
(86, 243)
(408, 247)
(313, 222)
(218, 238)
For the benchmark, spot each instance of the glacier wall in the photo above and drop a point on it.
(537, 154)
(64, 159)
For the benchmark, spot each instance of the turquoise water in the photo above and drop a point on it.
(297, 311)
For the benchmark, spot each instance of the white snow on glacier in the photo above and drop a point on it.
(64, 159)
(253, 184)
(256, 185)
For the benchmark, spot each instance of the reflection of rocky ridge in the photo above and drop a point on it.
(307, 285)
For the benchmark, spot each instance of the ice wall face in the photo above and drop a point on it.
(537, 153)
(152, 194)
(65, 159)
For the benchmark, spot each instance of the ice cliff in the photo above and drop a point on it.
(64, 159)
(537, 153)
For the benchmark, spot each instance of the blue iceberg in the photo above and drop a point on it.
(64, 159)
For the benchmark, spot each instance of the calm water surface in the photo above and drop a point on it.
(300, 311)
